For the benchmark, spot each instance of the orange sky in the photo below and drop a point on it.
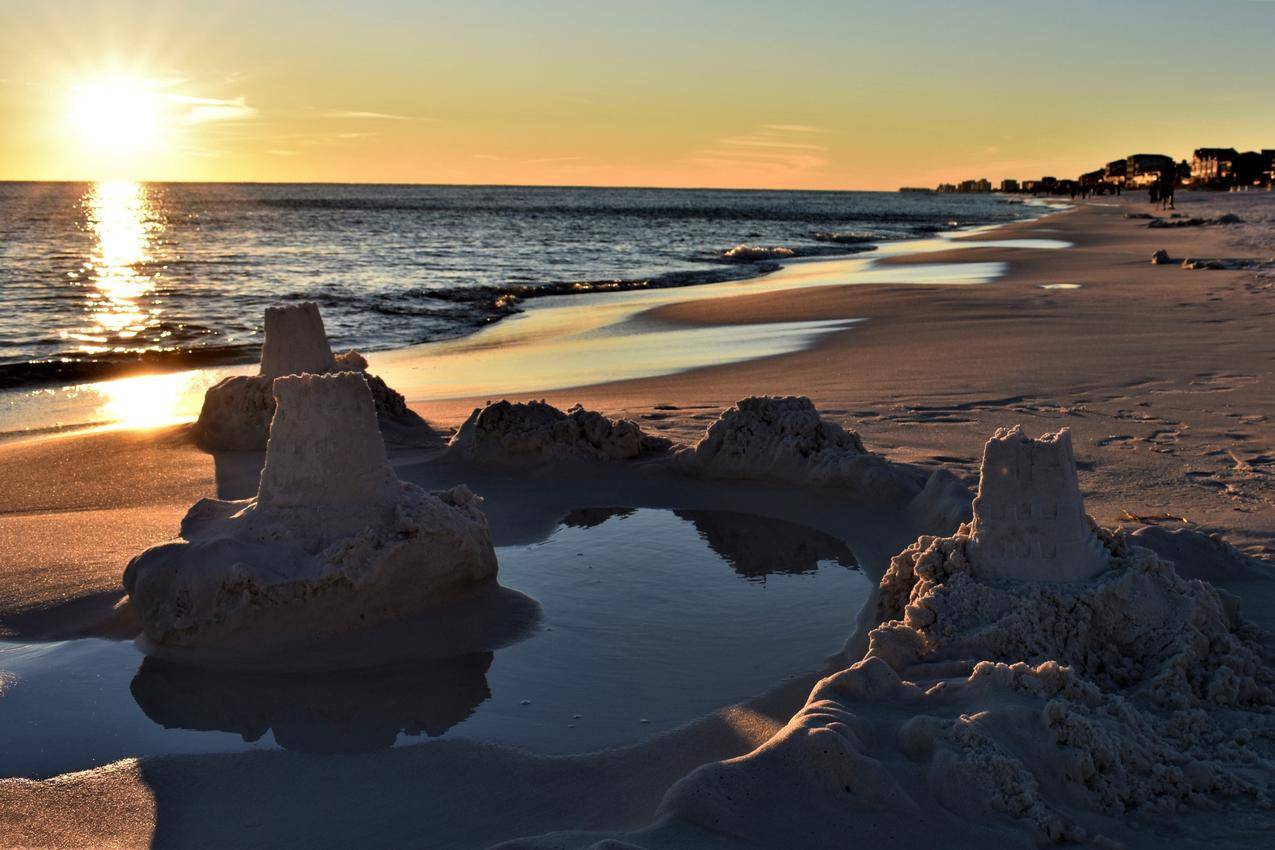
(804, 94)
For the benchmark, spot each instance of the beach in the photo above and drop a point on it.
(1164, 375)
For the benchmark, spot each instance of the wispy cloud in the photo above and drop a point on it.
(281, 152)
(771, 148)
(794, 128)
(360, 113)
(202, 110)
(544, 160)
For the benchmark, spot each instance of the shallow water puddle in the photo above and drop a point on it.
(651, 618)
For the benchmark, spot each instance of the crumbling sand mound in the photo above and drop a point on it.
(237, 411)
(531, 433)
(1035, 678)
(785, 438)
(332, 542)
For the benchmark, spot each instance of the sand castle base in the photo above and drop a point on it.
(1013, 701)
(333, 541)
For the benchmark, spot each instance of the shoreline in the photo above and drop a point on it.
(29, 405)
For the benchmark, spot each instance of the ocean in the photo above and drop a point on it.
(101, 279)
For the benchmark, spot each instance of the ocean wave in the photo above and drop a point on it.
(744, 253)
(853, 237)
(752, 253)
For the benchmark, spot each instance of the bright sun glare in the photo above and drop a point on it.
(117, 116)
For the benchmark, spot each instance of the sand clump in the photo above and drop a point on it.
(332, 542)
(762, 438)
(237, 411)
(1033, 678)
(785, 438)
(531, 433)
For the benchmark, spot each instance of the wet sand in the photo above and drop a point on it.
(1163, 374)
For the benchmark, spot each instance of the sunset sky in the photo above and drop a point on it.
(799, 94)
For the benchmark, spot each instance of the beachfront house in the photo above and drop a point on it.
(1143, 169)
(1115, 171)
(1210, 166)
(1009, 186)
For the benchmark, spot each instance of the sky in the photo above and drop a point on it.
(797, 94)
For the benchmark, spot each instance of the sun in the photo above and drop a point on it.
(117, 116)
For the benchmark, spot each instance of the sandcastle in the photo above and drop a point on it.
(1034, 678)
(332, 542)
(237, 411)
(1029, 519)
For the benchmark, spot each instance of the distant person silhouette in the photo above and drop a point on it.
(1169, 179)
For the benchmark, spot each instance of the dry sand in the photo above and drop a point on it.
(1164, 376)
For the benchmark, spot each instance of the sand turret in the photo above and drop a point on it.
(324, 446)
(237, 412)
(295, 341)
(1029, 518)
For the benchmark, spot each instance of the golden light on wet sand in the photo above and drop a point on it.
(152, 401)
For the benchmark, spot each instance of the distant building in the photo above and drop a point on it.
(1248, 169)
(1212, 165)
(1143, 169)
(1093, 178)
(1032, 186)
(1116, 171)
(947, 187)
(1009, 186)
(1268, 157)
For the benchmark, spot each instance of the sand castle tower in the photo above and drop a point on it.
(295, 341)
(237, 412)
(325, 448)
(1029, 518)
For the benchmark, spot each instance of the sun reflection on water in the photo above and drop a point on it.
(120, 218)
